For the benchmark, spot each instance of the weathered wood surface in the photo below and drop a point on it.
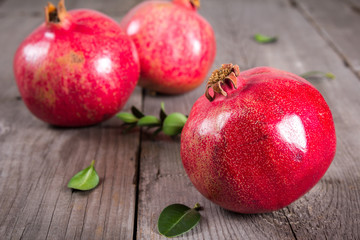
(140, 175)
(37, 160)
(327, 211)
(338, 23)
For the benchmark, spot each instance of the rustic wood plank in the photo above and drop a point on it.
(328, 211)
(115, 9)
(338, 23)
(37, 160)
(23, 7)
(354, 4)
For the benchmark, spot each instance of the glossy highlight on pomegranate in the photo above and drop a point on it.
(176, 45)
(257, 140)
(76, 69)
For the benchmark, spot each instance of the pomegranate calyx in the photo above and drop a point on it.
(55, 14)
(195, 3)
(219, 76)
(189, 4)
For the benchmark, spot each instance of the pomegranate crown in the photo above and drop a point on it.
(195, 3)
(55, 14)
(228, 72)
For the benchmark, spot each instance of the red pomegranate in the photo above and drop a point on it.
(176, 46)
(77, 69)
(257, 140)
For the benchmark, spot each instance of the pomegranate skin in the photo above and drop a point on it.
(78, 72)
(176, 46)
(261, 147)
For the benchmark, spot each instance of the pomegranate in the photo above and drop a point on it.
(76, 69)
(176, 46)
(257, 140)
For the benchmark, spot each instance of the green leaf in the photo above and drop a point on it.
(85, 179)
(127, 117)
(329, 75)
(149, 121)
(177, 219)
(137, 112)
(163, 115)
(264, 39)
(170, 124)
(310, 74)
(174, 123)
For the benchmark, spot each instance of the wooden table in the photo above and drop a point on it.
(140, 175)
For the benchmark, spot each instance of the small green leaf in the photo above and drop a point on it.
(149, 121)
(86, 179)
(310, 74)
(163, 115)
(174, 123)
(171, 124)
(127, 117)
(329, 75)
(177, 219)
(137, 112)
(264, 39)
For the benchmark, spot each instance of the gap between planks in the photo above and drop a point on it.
(323, 34)
(137, 171)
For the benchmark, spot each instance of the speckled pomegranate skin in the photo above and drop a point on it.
(176, 46)
(78, 72)
(263, 146)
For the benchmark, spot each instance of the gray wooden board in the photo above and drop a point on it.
(355, 5)
(114, 8)
(338, 22)
(37, 161)
(331, 209)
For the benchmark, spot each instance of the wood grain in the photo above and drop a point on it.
(35, 8)
(323, 213)
(38, 160)
(36, 169)
(338, 23)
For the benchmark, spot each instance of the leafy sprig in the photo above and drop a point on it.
(170, 125)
